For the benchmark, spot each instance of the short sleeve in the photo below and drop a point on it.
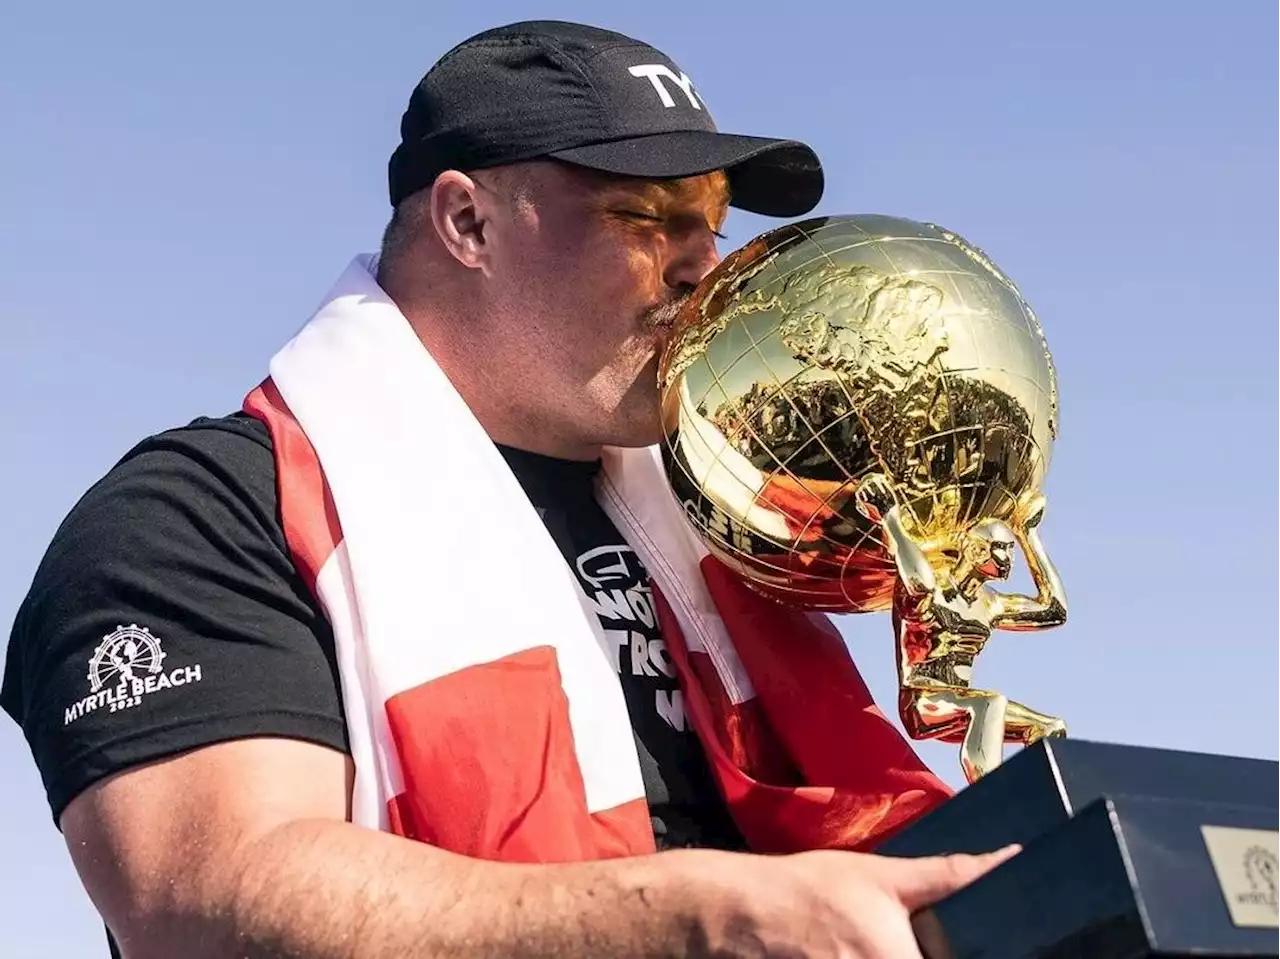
(167, 615)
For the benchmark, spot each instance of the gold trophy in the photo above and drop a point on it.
(859, 414)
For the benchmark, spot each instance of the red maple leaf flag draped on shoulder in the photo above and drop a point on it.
(488, 720)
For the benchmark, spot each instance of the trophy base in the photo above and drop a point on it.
(1127, 852)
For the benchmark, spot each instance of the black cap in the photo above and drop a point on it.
(590, 97)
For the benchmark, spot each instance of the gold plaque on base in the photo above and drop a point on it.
(1245, 862)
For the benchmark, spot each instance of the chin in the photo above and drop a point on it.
(636, 428)
(637, 420)
(636, 436)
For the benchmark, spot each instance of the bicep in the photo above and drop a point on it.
(161, 841)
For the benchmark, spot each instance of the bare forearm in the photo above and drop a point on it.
(1043, 573)
(315, 890)
(913, 567)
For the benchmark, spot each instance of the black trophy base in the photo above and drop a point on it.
(1115, 863)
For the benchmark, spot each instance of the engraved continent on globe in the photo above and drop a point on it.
(836, 348)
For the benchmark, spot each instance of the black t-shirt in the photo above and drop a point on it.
(683, 798)
(172, 574)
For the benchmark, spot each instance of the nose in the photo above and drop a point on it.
(693, 256)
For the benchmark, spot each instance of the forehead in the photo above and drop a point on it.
(711, 189)
(995, 534)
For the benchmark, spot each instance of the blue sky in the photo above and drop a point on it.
(179, 184)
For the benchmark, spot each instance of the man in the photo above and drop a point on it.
(557, 193)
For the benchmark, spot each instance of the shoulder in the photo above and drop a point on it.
(182, 506)
(181, 538)
(213, 468)
(182, 511)
(235, 449)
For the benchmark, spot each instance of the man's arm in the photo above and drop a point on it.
(1048, 608)
(876, 501)
(242, 849)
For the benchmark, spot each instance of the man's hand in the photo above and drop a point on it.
(242, 849)
(846, 905)
(875, 496)
(1029, 511)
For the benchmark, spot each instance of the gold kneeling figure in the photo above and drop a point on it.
(944, 616)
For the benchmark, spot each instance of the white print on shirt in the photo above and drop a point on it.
(125, 667)
(620, 596)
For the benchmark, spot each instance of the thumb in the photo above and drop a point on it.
(921, 882)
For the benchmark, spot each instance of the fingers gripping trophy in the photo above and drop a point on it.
(859, 414)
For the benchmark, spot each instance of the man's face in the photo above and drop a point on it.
(592, 269)
(1001, 559)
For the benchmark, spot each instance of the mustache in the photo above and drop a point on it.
(663, 316)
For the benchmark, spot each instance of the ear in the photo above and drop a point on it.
(459, 218)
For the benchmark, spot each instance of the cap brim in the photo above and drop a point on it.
(766, 176)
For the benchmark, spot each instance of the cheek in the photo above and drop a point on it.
(614, 268)
(628, 271)
(597, 277)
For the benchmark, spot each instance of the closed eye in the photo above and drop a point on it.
(637, 215)
(654, 218)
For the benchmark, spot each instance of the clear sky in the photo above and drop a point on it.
(180, 183)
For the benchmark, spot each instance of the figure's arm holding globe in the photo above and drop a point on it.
(876, 501)
(1048, 608)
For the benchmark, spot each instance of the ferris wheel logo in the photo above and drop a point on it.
(124, 657)
(126, 667)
